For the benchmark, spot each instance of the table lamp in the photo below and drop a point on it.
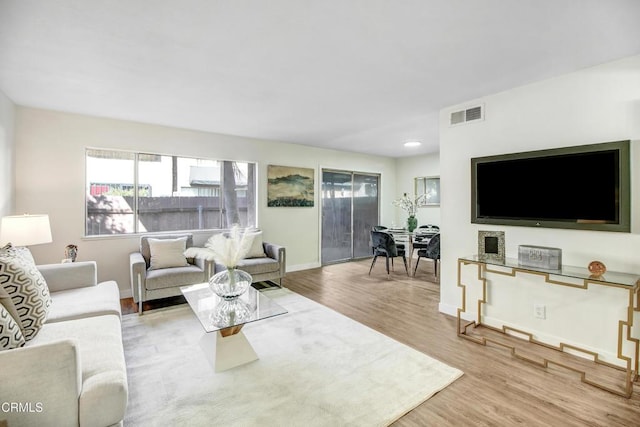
(25, 230)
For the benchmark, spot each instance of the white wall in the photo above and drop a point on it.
(7, 144)
(594, 105)
(409, 168)
(50, 148)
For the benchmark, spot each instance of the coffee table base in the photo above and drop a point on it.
(228, 352)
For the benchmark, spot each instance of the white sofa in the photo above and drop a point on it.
(73, 372)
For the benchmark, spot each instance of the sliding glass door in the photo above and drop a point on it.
(349, 210)
(336, 216)
(365, 212)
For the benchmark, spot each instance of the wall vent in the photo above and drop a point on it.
(467, 115)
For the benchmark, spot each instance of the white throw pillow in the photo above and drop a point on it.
(167, 253)
(256, 250)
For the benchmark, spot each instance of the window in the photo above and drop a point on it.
(140, 192)
(428, 189)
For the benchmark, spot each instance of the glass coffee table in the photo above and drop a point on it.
(224, 320)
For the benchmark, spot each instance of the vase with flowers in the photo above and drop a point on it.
(409, 204)
(229, 249)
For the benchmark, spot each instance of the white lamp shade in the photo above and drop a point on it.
(25, 230)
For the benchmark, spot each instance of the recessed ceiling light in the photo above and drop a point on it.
(412, 144)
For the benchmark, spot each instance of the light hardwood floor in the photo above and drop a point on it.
(495, 390)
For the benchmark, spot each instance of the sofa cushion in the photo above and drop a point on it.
(87, 301)
(28, 290)
(10, 333)
(48, 376)
(104, 393)
(169, 277)
(167, 253)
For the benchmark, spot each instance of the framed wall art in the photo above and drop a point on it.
(290, 186)
(491, 245)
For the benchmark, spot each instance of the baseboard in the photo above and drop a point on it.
(451, 310)
(301, 267)
(125, 293)
(604, 355)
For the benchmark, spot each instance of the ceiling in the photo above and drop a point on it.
(355, 75)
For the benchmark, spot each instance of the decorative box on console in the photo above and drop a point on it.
(540, 256)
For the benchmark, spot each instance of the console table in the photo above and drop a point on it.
(562, 355)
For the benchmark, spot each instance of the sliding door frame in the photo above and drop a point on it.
(353, 173)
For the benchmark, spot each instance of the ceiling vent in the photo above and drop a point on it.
(467, 115)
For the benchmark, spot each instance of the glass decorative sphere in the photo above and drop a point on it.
(230, 313)
(230, 284)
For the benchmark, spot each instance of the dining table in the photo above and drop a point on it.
(409, 238)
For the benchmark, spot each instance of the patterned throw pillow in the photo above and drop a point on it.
(10, 333)
(17, 251)
(28, 290)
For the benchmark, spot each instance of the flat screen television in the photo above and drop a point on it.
(583, 187)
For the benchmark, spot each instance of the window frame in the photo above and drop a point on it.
(136, 197)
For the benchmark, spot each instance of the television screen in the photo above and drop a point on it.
(585, 187)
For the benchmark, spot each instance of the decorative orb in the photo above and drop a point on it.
(597, 268)
(230, 284)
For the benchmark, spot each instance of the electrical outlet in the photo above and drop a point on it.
(539, 311)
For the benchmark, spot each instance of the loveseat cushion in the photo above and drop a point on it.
(257, 249)
(167, 253)
(169, 277)
(145, 250)
(104, 391)
(255, 266)
(10, 333)
(88, 301)
(28, 290)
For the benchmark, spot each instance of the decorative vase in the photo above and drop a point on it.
(230, 283)
(71, 252)
(230, 313)
(412, 223)
(597, 268)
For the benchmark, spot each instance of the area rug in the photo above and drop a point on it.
(316, 367)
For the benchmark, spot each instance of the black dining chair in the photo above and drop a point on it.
(384, 245)
(385, 229)
(431, 251)
(422, 236)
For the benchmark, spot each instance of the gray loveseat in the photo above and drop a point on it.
(148, 284)
(73, 372)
